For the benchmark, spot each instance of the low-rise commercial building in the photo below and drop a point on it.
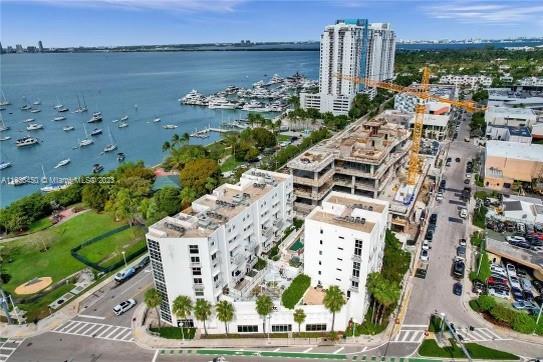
(344, 242)
(510, 162)
(505, 116)
(509, 133)
(209, 250)
(515, 97)
(471, 81)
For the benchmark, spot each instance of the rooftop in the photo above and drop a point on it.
(510, 111)
(515, 150)
(513, 131)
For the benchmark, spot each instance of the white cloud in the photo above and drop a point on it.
(192, 6)
(487, 12)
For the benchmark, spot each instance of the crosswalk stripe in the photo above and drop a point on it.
(103, 333)
(100, 328)
(72, 327)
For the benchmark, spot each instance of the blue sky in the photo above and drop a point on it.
(61, 23)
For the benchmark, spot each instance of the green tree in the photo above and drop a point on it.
(299, 318)
(385, 294)
(123, 207)
(264, 307)
(153, 299)
(181, 308)
(95, 196)
(168, 200)
(334, 300)
(263, 138)
(200, 175)
(225, 313)
(202, 311)
(179, 156)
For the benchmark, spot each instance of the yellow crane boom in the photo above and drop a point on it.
(421, 91)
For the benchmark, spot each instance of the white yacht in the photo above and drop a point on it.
(255, 106)
(5, 138)
(194, 98)
(62, 109)
(115, 121)
(59, 118)
(34, 126)
(124, 118)
(26, 141)
(122, 125)
(54, 187)
(68, 128)
(156, 120)
(37, 102)
(35, 110)
(28, 120)
(63, 163)
(112, 146)
(169, 126)
(86, 142)
(96, 117)
(221, 103)
(4, 164)
(96, 132)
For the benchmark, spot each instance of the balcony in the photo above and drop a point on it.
(355, 257)
(353, 289)
(198, 286)
(355, 278)
(312, 182)
(195, 264)
(267, 232)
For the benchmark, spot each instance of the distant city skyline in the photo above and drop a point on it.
(64, 23)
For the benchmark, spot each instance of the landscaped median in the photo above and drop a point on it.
(244, 353)
(430, 348)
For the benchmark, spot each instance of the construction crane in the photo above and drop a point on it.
(421, 91)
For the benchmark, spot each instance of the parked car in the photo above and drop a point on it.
(458, 268)
(517, 294)
(425, 245)
(424, 255)
(429, 235)
(467, 181)
(462, 242)
(537, 285)
(124, 306)
(478, 287)
(457, 159)
(493, 281)
(124, 275)
(498, 293)
(515, 239)
(457, 288)
(439, 196)
(143, 263)
(511, 270)
(461, 251)
(463, 213)
(442, 184)
(433, 219)
(498, 270)
(466, 139)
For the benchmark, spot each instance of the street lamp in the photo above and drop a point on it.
(124, 258)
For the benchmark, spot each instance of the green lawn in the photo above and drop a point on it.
(40, 225)
(230, 164)
(57, 262)
(282, 138)
(430, 348)
(40, 309)
(108, 251)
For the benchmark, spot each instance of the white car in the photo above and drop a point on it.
(498, 270)
(124, 306)
(463, 213)
(498, 293)
(514, 282)
(425, 245)
(526, 284)
(516, 238)
(439, 196)
(424, 255)
(468, 176)
(511, 270)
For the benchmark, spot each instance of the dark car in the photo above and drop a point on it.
(143, 263)
(478, 287)
(429, 235)
(517, 295)
(457, 159)
(458, 269)
(500, 287)
(433, 219)
(442, 184)
(538, 286)
(528, 295)
(466, 181)
(461, 251)
(457, 288)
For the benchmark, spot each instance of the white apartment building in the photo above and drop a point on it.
(352, 48)
(207, 250)
(531, 82)
(344, 242)
(505, 116)
(472, 81)
(381, 52)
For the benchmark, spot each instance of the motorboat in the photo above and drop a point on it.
(221, 103)
(122, 125)
(5, 164)
(255, 106)
(86, 142)
(68, 128)
(37, 102)
(97, 168)
(26, 107)
(169, 126)
(35, 110)
(156, 120)
(26, 141)
(124, 118)
(63, 163)
(59, 118)
(96, 132)
(62, 109)
(56, 186)
(110, 147)
(34, 126)
(28, 120)
(121, 156)
(96, 117)
(18, 181)
(5, 138)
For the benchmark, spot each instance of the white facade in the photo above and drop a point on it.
(344, 242)
(207, 250)
(473, 81)
(531, 81)
(381, 52)
(505, 116)
(505, 97)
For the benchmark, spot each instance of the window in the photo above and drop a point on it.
(187, 323)
(198, 281)
(216, 277)
(339, 248)
(339, 259)
(315, 327)
(194, 259)
(321, 231)
(320, 252)
(320, 272)
(214, 256)
(354, 284)
(199, 293)
(338, 279)
(338, 269)
(281, 327)
(248, 329)
(196, 271)
(358, 247)
(341, 237)
(320, 262)
(193, 249)
(320, 242)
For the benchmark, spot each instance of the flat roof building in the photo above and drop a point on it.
(507, 97)
(344, 242)
(505, 116)
(509, 133)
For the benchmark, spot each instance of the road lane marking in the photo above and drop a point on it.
(155, 356)
(103, 333)
(277, 349)
(90, 316)
(72, 328)
(338, 350)
(309, 349)
(414, 325)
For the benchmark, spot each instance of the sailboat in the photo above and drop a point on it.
(37, 102)
(112, 146)
(4, 164)
(63, 162)
(87, 141)
(3, 126)
(4, 101)
(81, 108)
(58, 105)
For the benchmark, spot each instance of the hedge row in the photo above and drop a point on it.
(292, 295)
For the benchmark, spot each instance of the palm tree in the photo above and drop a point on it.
(202, 311)
(334, 300)
(176, 140)
(185, 138)
(181, 308)
(225, 313)
(153, 299)
(264, 306)
(166, 146)
(299, 317)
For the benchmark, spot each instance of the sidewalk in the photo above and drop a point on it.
(147, 341)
